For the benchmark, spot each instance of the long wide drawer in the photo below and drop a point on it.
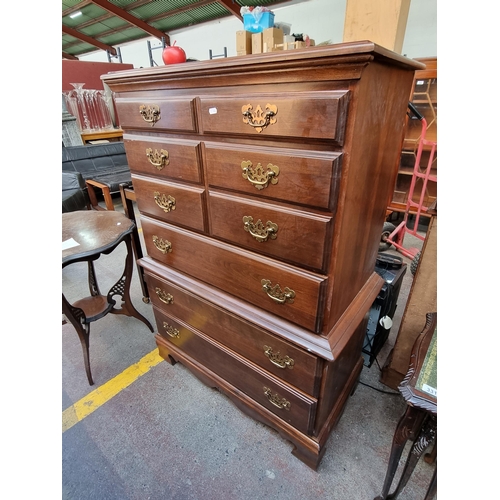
(283, 400)
(283, 359)
(171, 202)
(306, 115)
(165, 158)
(157, 114)
(286, 291)
(291, 235)
(295, 176)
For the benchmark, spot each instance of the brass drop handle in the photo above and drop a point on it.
(165, 202)
(275, 292)
(260, 232)
(258, 118)
(277, 359)
(163, 246)
(158, 159)
(164, 296)
(257, 177)
(150, 113)
(171, 331)
(276, 400)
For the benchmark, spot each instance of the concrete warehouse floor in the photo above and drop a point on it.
(166, 435)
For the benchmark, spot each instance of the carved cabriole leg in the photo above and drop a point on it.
(77, 318)
(424, 438)
(122, 288)
(406, 429)
(432, 490)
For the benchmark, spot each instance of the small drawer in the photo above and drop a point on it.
(171, 202)
(157, 114)
(296, 176)
(283, 400)
(290, 363)
(291, 235)
(165, 158)
(305, 115)
(289, 292)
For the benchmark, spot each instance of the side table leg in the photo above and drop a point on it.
(424, 438)
(408, 424)
(77, 318)
(93, 286)
(431, 492)
(122, 288)
(127, 196)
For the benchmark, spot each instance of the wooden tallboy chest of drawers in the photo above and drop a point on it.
(262, 183)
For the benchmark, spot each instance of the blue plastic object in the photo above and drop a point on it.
(259, 24)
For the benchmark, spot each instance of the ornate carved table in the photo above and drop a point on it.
(419, 422)
(87, 234)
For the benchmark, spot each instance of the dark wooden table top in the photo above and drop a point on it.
(94, 231)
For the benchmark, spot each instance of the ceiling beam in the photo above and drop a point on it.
(232, 7)
(123, 14)
(88, 39)
(65, 55)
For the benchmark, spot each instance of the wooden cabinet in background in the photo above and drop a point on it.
(424, 98)
(262, 183)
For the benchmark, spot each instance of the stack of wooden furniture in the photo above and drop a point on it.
(262, 183)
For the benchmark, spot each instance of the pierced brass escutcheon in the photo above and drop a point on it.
(281, 403)
(163, 246)
(275, 292)
(171, 331)
(258, 230)
(258, 118)
(150, 113)
(277, 359)
(257, 176)
(165, 202)
(164, 296)
(158, 159)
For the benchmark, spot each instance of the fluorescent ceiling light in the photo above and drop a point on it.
(76, 14)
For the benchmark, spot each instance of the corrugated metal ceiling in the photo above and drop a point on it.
(107, 24)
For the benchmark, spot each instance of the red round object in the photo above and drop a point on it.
(172, 55)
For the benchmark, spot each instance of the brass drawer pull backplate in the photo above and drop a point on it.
(258, 230)
(257, 176)
(277, 401)
(150, 113)
(275, 292)
(165, 202)
(258, 119)
(277, 359)
(171, 331)
(163, 246)
(164, 296)
(158, 159)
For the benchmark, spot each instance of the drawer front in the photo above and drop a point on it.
(288, 292)
(165, 158)
(171, 202)
(305, 115)
(292, 364)
(157, 114)
(295, 176)
(291, 235)
(283, 400)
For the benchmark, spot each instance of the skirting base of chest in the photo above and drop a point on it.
(308, 449)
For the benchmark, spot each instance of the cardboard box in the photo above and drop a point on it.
(243, 42)
(257, 43)
(272, 37)
(303, 45)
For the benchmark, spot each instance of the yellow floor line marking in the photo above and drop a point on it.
(105, 392)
